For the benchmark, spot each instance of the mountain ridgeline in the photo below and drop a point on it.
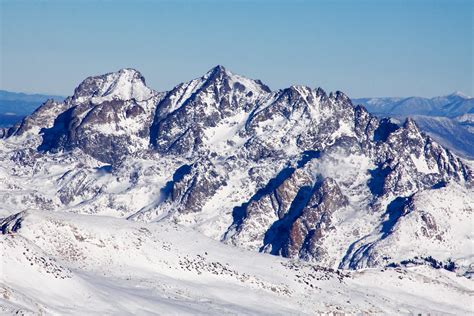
(452, 105)
(295, 172)
(15, 106)
(448, 119)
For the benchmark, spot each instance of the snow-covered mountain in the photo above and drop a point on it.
(466, 120)
(22, 103)
(452, 105)
(456, 134)
(296, 172)
(14, 106)
(448, 119)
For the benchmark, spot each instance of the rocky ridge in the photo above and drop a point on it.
(295, 172)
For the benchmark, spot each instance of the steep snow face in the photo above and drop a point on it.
(294, 172)
(125, 84)
(429, 227)
(84, 261)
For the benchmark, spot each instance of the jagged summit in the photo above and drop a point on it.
(221, 73)
(125, 84)
(459, 94)
(340, 96)
(217, 70)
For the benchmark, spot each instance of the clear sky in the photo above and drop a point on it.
(364, 48)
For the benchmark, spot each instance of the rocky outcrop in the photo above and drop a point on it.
(186, 111)
(108, 117)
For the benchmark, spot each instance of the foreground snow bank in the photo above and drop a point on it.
(62, 263)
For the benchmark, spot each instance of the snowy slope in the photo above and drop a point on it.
(71, 264)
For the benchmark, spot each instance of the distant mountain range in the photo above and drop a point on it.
(448, 119)
(16, 105)
(452, 105)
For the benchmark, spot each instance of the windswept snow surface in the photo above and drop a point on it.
(61, 263)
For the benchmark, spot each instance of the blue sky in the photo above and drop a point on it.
(364, 48)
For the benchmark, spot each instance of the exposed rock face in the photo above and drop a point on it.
(294, 172)
(190, 108)
(308, 229)
(43, 117)
(108, 117)
(190, 189)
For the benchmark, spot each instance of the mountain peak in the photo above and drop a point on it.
(219, 68)
(130, 73)
(410, 124)
(340, 96)
(217, 71)
(124, 84)
(459, 94)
